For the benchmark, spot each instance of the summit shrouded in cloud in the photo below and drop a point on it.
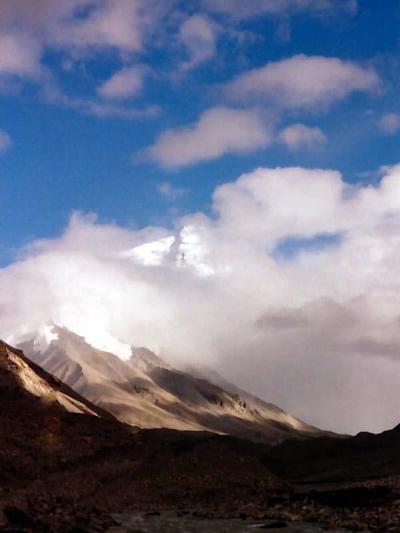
(257, 290)
(217, 181)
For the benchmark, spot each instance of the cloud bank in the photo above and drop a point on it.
(315, 330)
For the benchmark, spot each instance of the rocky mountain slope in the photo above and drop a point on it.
(65, 464)
(146, 392)
(65, 469)
(18, 373)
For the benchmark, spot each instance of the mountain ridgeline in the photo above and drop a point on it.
(147, 392)
(67, 464)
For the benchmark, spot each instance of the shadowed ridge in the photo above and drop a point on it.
(326, 459)
(18, 374)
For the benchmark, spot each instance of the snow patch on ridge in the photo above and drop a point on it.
(107, 343)
(151, 253)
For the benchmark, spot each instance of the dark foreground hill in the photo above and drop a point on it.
(65, 466)
(330, 460)
(59, 469)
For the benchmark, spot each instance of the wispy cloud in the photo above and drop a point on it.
(390, 123)
(20, 55)
(199, 35)
(298, 136)
(242, 10)
(170, 191)
(98, 108)
(124, 84)
(5, 142)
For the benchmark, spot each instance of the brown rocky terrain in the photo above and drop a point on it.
(147, 392)
(65, 466)
(60, 469)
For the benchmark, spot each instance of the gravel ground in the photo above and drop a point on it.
(173, 523)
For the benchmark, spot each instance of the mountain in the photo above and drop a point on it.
(19, 374)
(363, 457)
(66, 465)
(45, 426)
(145, 391)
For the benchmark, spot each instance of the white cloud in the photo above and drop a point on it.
(124, 84)
(53, 95)
(199, 34)
(19, 55)
(82, 24)
(169, 191)
(77, 27)
(218, 131)
(109, 24)
(5, 142)
(317, 333)
(240, 9)
(390, 123)
(303, 81)
(74, 31)
(298, 135)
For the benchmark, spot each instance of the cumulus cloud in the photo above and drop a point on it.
(199, 34)
(125, 83)
(390, 123)
(303, 81)
(322, 323)
(298, 135)
(5, 142)
(79, 29)
(218, 131)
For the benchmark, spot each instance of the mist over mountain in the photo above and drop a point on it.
(261, 291)
(68, 464)
(147, 392)
(199, 258)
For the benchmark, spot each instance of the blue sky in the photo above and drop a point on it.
(242, 159)
(63, 157)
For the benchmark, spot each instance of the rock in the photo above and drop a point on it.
(279, 524)
(17, 517)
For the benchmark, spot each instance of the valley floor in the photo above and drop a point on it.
(200, 477)
(63, 472)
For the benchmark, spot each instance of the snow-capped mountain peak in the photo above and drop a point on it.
(186, 249)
